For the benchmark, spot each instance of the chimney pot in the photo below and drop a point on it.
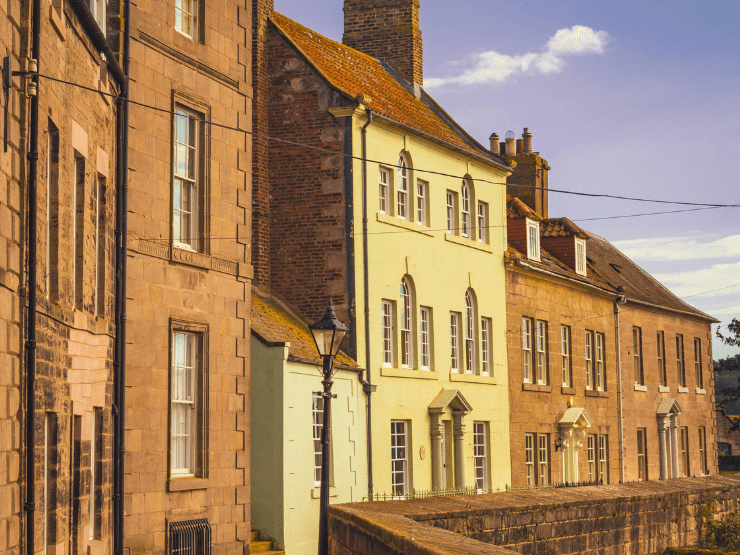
(519, 146)
(527, 139)
(493, 139)
(510, 146)
(502, 148)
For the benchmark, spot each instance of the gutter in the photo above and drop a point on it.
(30, 346)
(701, 316)
(93, 31)
(119, 445)
(367, 386)
(617, 303)
(435, 140)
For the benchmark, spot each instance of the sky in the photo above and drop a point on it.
(626, 97)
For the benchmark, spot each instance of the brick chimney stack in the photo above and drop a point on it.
(529, 180)
(386, 29)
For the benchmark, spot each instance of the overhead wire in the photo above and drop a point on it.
(360, 158)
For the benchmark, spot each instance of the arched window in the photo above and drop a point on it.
(407, 311)
(465, 207)
(469, 333)
(403, 188)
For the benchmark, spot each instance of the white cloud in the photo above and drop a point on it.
(493, 67)
(689, 283)
(680, 248)
(730, 310)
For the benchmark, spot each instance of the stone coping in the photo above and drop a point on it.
(400, 524)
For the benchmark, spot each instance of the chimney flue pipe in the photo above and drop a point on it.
(527, 139)
(493, 139)
(510, 146)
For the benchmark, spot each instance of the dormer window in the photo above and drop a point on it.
(533, 240)
(581, 257)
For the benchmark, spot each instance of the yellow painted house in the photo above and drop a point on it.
(378, 200)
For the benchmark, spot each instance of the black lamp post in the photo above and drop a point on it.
(327, 334)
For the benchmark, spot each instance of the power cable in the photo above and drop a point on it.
(360, 158)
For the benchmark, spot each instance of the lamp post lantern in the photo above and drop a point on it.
(327, 334)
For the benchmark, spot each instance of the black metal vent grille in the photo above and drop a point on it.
(190, 537)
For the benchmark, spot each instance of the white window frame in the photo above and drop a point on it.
(451, 213)
(603, 454)
(465, 230)
(184, 217)
(425, 325)
(703, 466)
(588, 348)
(542, 366)
(186, 11)
(698, 371)
(387, 329)
(407, 325)
(483, 222)
(685, 456)
(485, 346)
(565, 356)
(533, 240)
(454, 342)
(661, 358)
(529, 458)
(183, 403)
(384, 190)
(680, 360)
(317, 414)
(543, 459)
(480, 456)
(527, 325)
(600, 363)
(591, 455)
(637, 355)
(642, 468)
(580, 256)
(399, 458)
(421, 202)
(470, 349)
(403, 192)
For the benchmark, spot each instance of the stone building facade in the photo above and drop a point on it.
(728, 436)
(189, 276)
(562, 363)
(75, 265)
(659, 420)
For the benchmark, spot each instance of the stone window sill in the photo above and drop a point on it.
(472, 378)
(568, 390)
(316, 492)
(536, 387)
(465, 242)
(639, 387)
(403, 224)
(596, 393)
(664, 389)
(408, 373)
(187, 484)
(700, 391)
(683, 389)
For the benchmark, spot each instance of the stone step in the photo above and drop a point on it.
(254, 536)
(261, 547)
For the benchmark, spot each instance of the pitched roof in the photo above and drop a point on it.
(561, 227)
(273, 322)
(637, 284)
(352, 72)
(515, 208)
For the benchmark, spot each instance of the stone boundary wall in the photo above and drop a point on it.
(635, 518)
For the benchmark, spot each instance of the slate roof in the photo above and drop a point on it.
(352, 72)
(274, 323)
(638, 285)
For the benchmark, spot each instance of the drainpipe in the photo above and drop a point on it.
(617, 303)
(367, 386)
(121, 273)
(33, 157)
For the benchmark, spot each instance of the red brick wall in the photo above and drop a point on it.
(261, 10)
(516, 232)
(308, 251)
(562, 248)
(386, 29)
